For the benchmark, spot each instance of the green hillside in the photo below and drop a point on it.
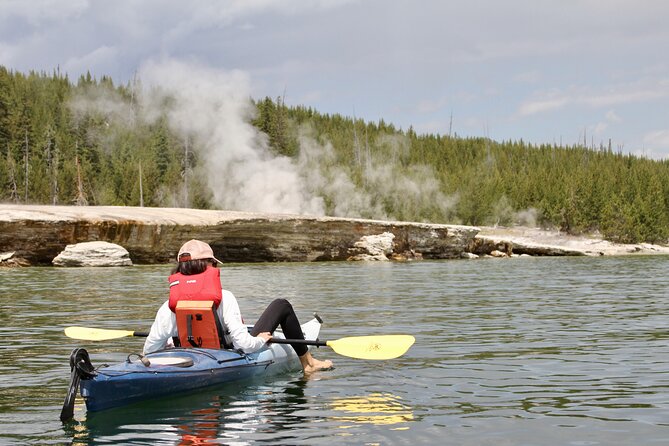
(53, 151)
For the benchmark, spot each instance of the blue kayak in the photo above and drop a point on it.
(176, 370)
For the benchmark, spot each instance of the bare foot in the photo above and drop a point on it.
(311, 364)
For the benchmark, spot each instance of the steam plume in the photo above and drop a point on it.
(212, 110)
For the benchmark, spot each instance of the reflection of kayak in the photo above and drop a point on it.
(176, 370)
(376, 408)
(236, 409)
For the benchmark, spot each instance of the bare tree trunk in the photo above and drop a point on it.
(185, 173)
(25, 200)
(13, 187)
(450, 125)
(141, 190)
(80, 200)
(52, 167)
(368, 156)
(54, 176)
(356, 145)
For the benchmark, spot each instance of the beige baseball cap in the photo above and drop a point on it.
(195, 250)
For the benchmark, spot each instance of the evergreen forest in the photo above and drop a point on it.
(52, 152)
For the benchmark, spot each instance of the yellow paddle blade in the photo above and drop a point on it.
(373, 347)
(95, 334)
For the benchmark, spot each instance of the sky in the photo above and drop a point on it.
(563, 72)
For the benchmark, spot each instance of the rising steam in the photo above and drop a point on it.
(211, 111)
(388, 192)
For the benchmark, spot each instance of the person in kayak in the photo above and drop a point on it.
(197, 257)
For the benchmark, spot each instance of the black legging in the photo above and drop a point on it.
(280, 312)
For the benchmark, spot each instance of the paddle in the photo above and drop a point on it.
(100, 334)
(67, 412)
(360, 347)
(80, 366)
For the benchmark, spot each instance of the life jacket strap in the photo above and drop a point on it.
(189, 334)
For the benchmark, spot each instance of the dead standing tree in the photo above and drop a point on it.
(11, 171)
(80, 199)
(26, 164)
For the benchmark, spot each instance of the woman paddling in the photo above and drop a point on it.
(196, 265)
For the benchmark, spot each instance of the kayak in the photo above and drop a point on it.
(177, 370)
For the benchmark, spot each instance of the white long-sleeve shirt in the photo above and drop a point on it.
(165, 327)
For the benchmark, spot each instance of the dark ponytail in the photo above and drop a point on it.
(191, 267)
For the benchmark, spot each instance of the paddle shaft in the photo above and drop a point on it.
(274, 340)
(143, 334)
(316, 342)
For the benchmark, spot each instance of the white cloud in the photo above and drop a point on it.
(657, 139)
(37, 12)
(624, 96)
(7, 51)
(612, 116)
(528, 77)
(309, 97)
(543, 105)
(495, 48)
(620, 94)
(99, 56)
(429, 106)
(216, 14)
(600, 128)
(560, 65)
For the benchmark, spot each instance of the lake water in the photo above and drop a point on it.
(526, 351)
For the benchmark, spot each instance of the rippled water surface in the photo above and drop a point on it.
(529, 351)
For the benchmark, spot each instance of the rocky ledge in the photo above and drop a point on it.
(35, 235)
(38, 235)
(542, 242)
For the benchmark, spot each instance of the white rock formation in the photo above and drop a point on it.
(373, 247)
(93, 254)
(6, 256)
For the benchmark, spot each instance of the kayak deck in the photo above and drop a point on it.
(177, 370)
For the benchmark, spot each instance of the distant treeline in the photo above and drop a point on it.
(53, 153)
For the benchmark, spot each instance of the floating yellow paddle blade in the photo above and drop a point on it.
(96, 334)
(372, 347)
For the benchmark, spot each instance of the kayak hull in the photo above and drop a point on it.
(178, 370)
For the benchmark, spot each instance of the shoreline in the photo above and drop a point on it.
(589, 245)
(37, 234)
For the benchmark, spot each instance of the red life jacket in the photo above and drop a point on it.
(194, 299)
(203, 286)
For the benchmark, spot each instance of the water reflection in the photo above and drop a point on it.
(252, 409)
(375, 408)
(203, 431)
